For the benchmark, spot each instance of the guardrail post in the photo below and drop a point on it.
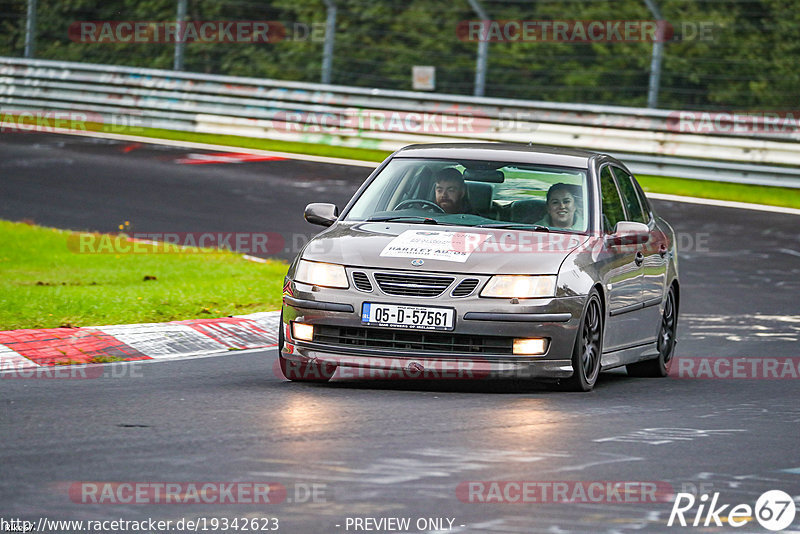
(330, 31)
(655, 59)
(30, 30)
(483, 48)
(180, 45)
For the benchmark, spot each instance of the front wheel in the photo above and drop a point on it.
(665, 343)
(588, 347)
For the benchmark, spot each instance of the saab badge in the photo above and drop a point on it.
(417, 262)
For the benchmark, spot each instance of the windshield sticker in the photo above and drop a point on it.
(445, 246)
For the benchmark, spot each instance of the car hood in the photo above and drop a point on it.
(442, 248)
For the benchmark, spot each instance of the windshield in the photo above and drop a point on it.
(476, 193)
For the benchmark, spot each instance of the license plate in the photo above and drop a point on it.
(413, 317)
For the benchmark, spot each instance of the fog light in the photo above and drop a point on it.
(530, 346)
(302, 332)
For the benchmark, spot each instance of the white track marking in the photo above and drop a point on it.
(724, 203)
(166, 340)
(13, 361)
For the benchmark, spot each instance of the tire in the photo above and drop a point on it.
(302, 371)
(588, 347)
(665, 343)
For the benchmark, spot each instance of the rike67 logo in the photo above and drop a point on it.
(774, 510)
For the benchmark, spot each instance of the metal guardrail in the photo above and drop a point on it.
(650, 140)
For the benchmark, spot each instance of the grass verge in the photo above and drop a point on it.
(756, 194)
(364, 153)
(44, 283)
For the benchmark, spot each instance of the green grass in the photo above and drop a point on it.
(775, 196)
(364, 153)
(45, 284)
(756, 194)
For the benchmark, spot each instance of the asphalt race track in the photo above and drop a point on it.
(378, 449)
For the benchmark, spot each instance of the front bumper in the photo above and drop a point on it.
(555, 319)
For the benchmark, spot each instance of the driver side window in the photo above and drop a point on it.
(613, 212)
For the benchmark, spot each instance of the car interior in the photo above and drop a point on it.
(499, 192)
(480, 195)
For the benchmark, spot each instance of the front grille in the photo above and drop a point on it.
(465, 287)
(423, 341)
(361, 281)
(412, 285)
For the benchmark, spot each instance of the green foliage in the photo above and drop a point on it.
(728, 54)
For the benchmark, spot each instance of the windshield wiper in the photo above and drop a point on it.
(423, 220)
(519, 226)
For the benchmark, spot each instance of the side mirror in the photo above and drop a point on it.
(321, 213)
(628, 233)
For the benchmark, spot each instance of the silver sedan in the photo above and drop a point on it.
(474, 260)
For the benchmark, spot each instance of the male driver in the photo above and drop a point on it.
(450, 191)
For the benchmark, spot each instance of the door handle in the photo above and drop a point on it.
(639, 259)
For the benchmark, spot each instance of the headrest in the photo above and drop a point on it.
(528, 211)
(480, 196)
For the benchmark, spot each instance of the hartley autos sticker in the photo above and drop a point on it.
(445, 246)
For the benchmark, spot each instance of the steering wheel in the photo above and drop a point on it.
(420, 203)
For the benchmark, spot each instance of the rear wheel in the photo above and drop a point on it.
(665, 343)
(588, 347)
(302, 371)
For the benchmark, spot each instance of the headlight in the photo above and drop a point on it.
(529, 347)
(520, 286)
(305, 332)
(321, 274)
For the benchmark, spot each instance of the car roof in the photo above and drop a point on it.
(507, 152)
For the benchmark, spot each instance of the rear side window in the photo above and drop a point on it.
(612, 205)
(630, 196)
(642, 199)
